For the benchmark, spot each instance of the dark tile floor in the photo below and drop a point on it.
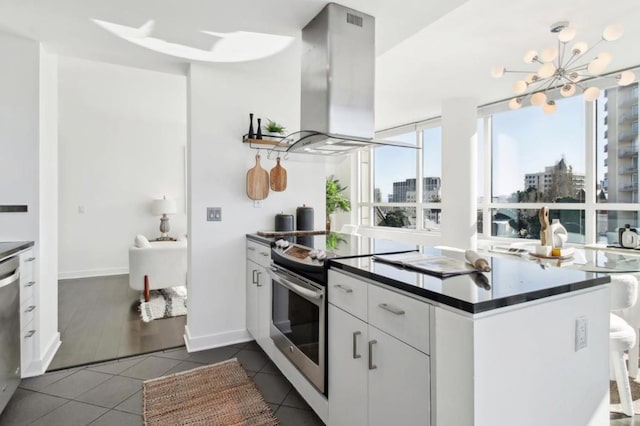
(99, 320)
(111, 393)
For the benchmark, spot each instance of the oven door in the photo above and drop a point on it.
(298, 323)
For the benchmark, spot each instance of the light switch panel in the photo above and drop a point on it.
(214, 214)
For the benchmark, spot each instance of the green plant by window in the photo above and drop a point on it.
(336, 201)
(273, 127)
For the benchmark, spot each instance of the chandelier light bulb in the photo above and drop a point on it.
(530, 57)
(568, 90)
(625, 78)
(599, 64)
(612, 32)
(531, 78)
(591, 94)
(575, 77)
(546, 70)
(579, 48)
(550, 107)
(549, 54)
(519, 87)
(497, 71)
(538, 99)
(515, 103)
(567, 34)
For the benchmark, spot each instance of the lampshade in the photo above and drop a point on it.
(519, 87)
(567, 34)
(579, 48)
(568, 90)
(497, 71)
(164, 206)
(626, 78)
(538, 98)
(612, 32)
(530, 56)
(547, 70)
(591, 94)
(549, 54)
(515, 103)
(550, 107)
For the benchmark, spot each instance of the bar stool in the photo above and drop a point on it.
(622, 337)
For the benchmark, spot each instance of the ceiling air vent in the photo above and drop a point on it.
(354, 19)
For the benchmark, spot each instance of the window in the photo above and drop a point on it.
(532, 160)
(394, 181)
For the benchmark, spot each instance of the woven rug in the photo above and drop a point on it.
(220, 394)
(164, 303)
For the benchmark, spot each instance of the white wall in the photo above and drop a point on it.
(49, 337)
(122, 144)
(19, 112)
(220, 100)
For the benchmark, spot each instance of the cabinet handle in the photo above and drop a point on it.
(254, 280)
(264, 254)
(30, 284)
(29, 334)
(389, 308)
(372, 366)
(251, 248)
(30, 308)
(31, 259)
(258, 280)
(356, 355)
(343, 288)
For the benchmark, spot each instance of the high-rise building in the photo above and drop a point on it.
(556, 181)
(405, 191)
(621, 147)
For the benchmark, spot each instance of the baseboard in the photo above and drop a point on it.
(39, 366)
(67, 275)
(210, 341)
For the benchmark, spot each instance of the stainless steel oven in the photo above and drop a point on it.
(298, 322)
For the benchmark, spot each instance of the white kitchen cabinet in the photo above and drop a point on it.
(375, 378)
(348, 337)
(399, 385)
(258, 297)
(28, 310)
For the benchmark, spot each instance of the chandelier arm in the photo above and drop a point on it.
(560, 54)
(574, 57)
(592, 47)
(517, 71)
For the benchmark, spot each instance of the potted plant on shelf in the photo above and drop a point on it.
(274, 130)
(336, 201)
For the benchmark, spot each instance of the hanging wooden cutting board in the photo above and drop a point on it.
(257, 182)
(278, 177)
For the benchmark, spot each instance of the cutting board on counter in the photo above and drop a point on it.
(257, 182)
(290, 233)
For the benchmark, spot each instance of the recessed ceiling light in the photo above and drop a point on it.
(237, 46)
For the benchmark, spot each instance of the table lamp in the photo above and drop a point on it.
(163, 208)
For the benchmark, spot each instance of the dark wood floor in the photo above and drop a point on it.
(99, 321)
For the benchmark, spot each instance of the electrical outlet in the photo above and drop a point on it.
(214, 214)
(581, 333)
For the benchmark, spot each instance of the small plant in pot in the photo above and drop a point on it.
(274, 128)
(336, 201)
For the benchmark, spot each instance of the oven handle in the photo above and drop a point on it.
(301, 291)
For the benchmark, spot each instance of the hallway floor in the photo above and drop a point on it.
(99, 320)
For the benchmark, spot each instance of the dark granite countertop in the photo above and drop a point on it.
(9, 248)
(510, 282)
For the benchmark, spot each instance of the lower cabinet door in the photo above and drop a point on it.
(347, 369)
(252, 299)
(399, 383)
(264, 308)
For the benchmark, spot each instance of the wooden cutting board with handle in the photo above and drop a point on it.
(257, 182)
(278, 177)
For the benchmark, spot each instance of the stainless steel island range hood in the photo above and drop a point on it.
(338, 84)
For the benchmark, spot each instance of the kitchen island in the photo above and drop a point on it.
(496, 348)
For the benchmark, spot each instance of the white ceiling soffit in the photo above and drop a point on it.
(66, 26)
(453, 56)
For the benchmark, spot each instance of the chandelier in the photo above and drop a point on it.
(564, 67)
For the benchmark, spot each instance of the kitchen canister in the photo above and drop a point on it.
(304, 222)
(284, 222)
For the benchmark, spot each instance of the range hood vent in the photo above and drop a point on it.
(338, 84)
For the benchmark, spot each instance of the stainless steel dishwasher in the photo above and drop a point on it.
(9, 329)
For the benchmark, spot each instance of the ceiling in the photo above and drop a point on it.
(428, 50)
